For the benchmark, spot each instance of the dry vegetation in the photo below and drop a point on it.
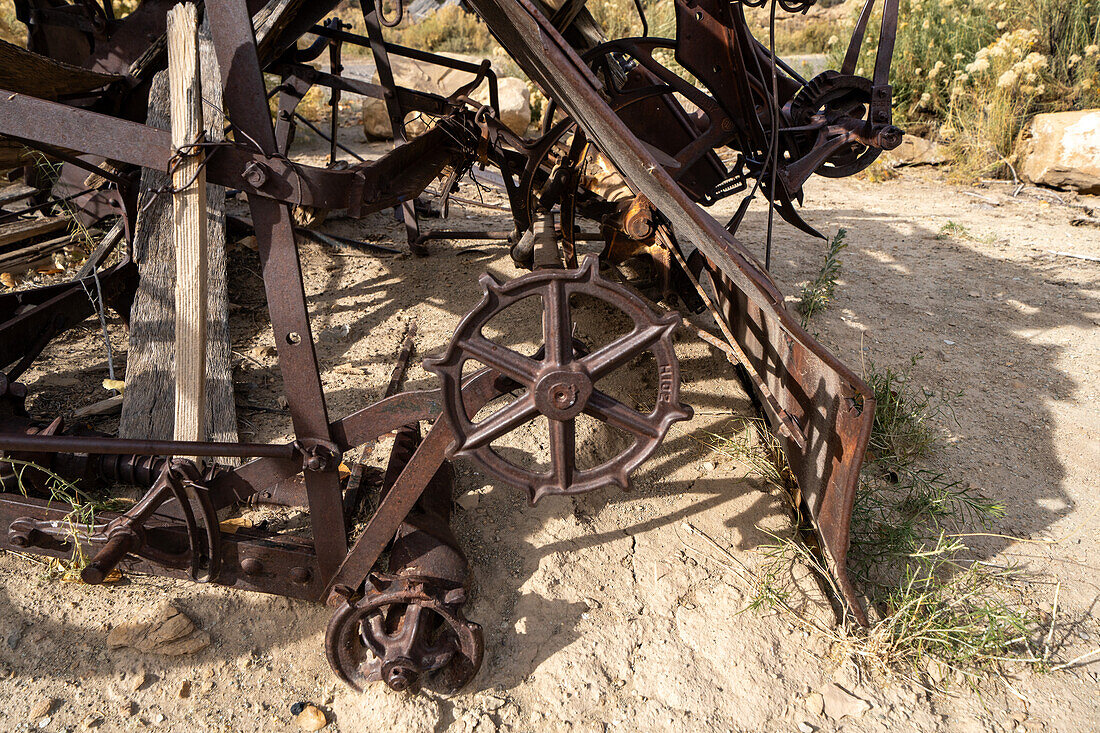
(977, 71)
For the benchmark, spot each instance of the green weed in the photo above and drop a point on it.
(83, 508)
(938, 610)
(818, 294)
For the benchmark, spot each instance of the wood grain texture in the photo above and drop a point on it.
(188, 224)
(38, 76)
(16, 231)
(148, 408)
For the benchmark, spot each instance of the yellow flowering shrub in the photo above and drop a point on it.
(980, 69)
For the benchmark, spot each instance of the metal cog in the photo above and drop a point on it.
(560, 385)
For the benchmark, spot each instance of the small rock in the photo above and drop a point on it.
(805, 727)
(44, 722)
(311, 718)
(15, 637)
(492, 702)
(92, 721)
(167, 631)
(839, 703)
(185, 690)
(937, 671)
(260, 353)
(40, 708)
(138, 680)
(468, 501)
(974, 294)
(815, 703)
(126, 708)
(708, 466)
(159, 718)
(335, 333)
(348, 368)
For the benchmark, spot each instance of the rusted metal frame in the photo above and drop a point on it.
(417, 55)
(279, 565)
(837, 420)
(353, 495)
(336, 68)
(719, 128)
(393, 509)
(783, 421)
(246, 102)
(709, 47)
(63, 309)
(361, 427)
(137, 532)
(716, 46)
(125, 447)
(398, 618)
(236, 486)
(361, 189)
(881, 112)
(291, 92)
(394, 109)
(411, 99)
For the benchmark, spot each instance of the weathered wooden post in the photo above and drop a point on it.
(188, 222)
(149, 407)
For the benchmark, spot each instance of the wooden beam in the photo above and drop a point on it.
(21, 229)
(189, 223)
(148, 410)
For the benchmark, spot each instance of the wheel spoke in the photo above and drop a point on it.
(557, 324)
(603, 406)
(563, 450)
(617, 353)
(504, 420)
(504, 360)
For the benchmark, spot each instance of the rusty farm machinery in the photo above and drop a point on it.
(79, 94)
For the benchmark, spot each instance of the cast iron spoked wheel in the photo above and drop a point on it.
(834, 93)
(399, 636)
(560, 386)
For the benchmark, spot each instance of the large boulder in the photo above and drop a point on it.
(916, 151)
(514, 96)
(515, 103)
(1063, 151)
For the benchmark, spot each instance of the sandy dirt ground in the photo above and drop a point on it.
(606, 612)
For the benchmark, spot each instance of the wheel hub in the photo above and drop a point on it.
(562, 394)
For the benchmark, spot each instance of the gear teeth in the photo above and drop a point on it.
(684, 413)
(621, 479)
(489, 283)
(534, 494)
